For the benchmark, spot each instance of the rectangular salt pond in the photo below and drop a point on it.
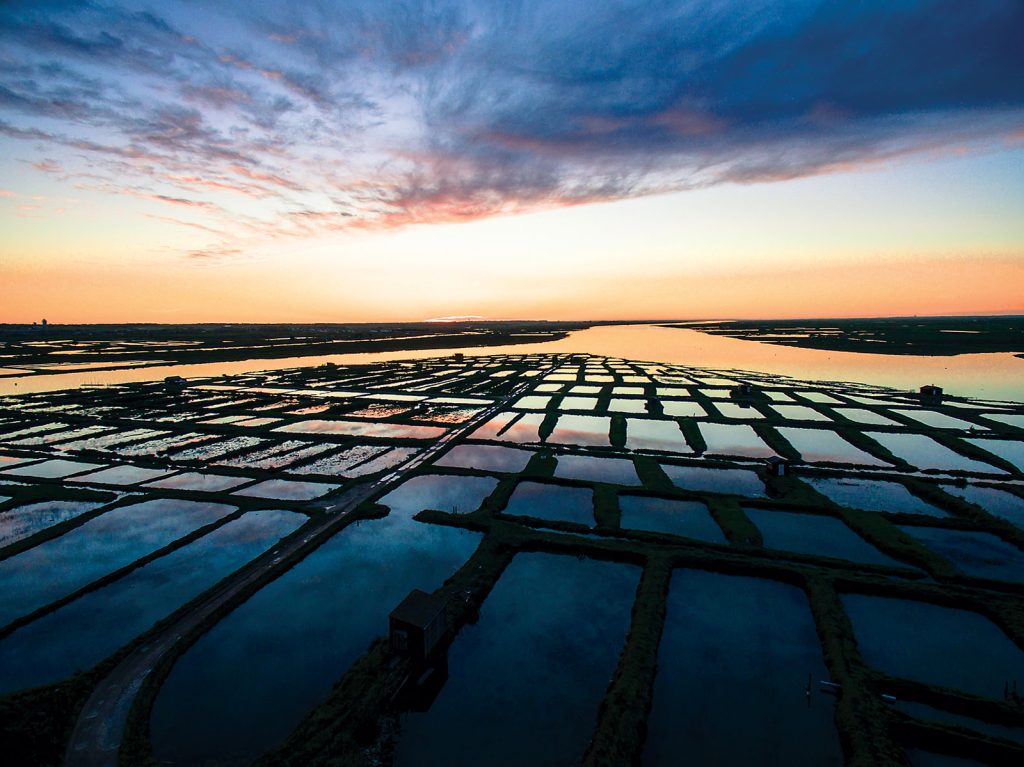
(276, 457)
(578, 403)
(699, 479)
(362, 429)
(552, 502)
(682, 409)
(532, 402)
(386, 460)
(444, 492)
(526, 679)
(22, 521)
(917, 640)
(628, 391)
(486, 458)
(525, 429)
(872, 495)
(815, 535)
(52, 469)
(248, 682)
(734, 439)
(824, 446)
(114, 539)
(70, 434)
(733, 666)
(495, 426)
(339, 463)
(287, 490)
(627, 406)
(1011, 451)
(732, 410)
(861, 415)
(122, 475)
(928, 713)
(799, 413)
(586, 430)
(646, 434)
(87, 630)
(935, 419)
(977, 554)
(690, 519)
(925, 453)
(200, 482)
(821, 397)
(1010, 419)
(998, 503)
(616, 471)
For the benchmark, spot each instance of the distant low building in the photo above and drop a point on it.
(777, 466)
(931, 391)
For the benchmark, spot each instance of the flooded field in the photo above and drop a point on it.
(511, 559)
(525, 681)
(757, 647)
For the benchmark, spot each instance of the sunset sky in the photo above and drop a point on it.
(368, 160)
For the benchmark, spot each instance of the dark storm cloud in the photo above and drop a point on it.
(396, 112)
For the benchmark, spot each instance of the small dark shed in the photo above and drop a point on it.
(742, 390)
(777, 467)
(417, 625)
(175, 384)
(931, 390)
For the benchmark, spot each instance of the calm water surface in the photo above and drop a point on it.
(249, 681)
(526, 680)
(116, 538)
(916, 640)
(994, 376)
(733, 666)
(90, 628)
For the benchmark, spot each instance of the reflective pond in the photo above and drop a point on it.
(925, 453)
(974, 553)
(822, 445)
(690, 519)
(998, 503)
(699, 479)
(444, 492)
(616, 471)
(872, 495)
(248, 682)
(105, 543)
(526, 679)
(486, 458)
(647, 434)
(552, 502)
(22, 521)
(734, 439)
(739, 650)
(816, 535)
(585, 430)
(85, 631)
(915, 640)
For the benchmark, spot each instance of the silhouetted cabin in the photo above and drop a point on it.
(931, 390)
(742, 390)
(777, 467)
(175, 384)
(459, 356)
(417, 625)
